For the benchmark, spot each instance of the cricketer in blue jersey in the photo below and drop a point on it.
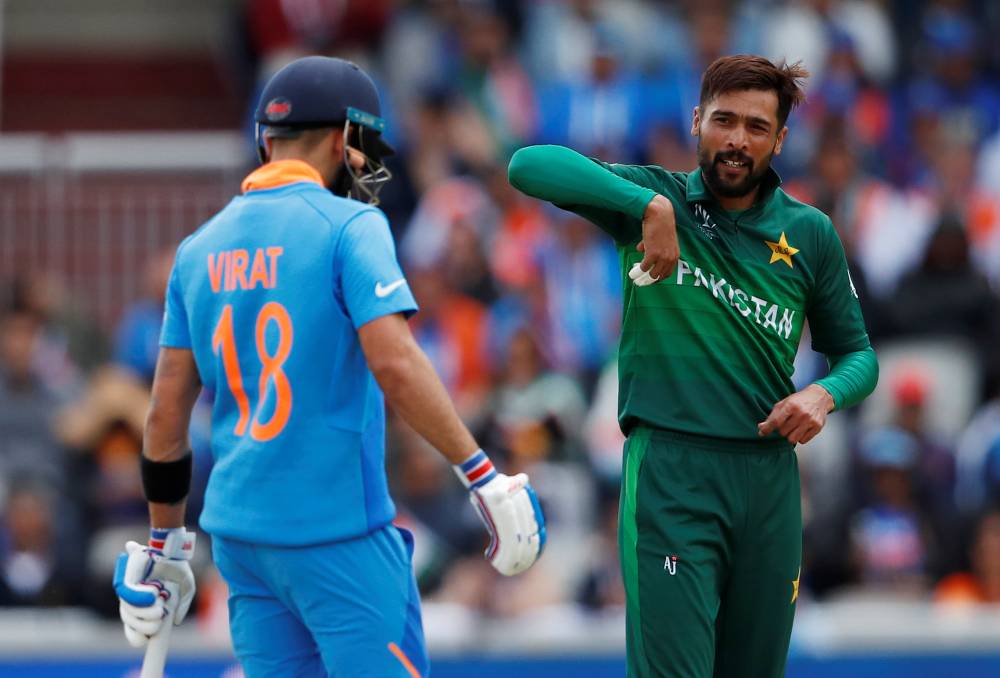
(290, 306)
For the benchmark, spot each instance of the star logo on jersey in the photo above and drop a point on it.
(382, 291)
(795, 587)
(781, 250)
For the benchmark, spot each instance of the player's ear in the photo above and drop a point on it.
(780, 140)
(696, 121)
(337, 142)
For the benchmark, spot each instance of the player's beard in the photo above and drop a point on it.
(722, 188)
(342, 183)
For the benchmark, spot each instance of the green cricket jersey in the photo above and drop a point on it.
(709, 350)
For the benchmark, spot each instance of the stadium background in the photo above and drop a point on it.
(124, 124)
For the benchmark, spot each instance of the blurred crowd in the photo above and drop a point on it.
(520, 302)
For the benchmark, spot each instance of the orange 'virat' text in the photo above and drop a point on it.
(229, 270)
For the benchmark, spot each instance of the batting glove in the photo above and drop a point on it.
(509, 509)
(139, 575)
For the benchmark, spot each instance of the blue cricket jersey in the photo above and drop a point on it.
(269, 295)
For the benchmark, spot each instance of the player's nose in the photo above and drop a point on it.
(737, 139)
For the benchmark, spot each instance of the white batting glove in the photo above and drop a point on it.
(509, 509)
(139, 575)
(640, 277)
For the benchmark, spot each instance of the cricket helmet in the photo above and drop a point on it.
(318, 91)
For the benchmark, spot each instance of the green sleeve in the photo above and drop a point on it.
(606, 194)
(852, 377)
(834, 312)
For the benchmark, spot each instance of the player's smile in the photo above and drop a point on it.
(733, 166)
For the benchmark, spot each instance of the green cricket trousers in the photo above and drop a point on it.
(710, 539)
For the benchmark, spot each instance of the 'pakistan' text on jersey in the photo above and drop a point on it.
(269, 295)
(709, 350)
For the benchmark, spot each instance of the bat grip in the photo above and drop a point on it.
(155, 660)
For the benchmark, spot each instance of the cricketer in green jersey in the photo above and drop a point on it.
(721, 271)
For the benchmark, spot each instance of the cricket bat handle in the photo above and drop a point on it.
(155, 659)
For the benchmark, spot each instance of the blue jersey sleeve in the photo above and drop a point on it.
(371, 282)
(175, 332)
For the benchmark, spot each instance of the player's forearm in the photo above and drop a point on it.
(166, 452)
(562, 176)
(165, 443)
(414, 390)
(167, 515)
(852, 377)
(166, 434)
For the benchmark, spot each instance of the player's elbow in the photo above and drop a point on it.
(522, 167)
(392, 371)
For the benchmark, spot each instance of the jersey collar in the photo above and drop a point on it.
(698, 192)
(281, 173)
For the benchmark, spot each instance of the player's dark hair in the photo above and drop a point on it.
(749, 71)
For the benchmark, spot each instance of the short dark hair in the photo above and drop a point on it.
(749, 71)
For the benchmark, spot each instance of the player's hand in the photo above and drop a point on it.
(800, 416)
(139, 575)
(658, 245)
(510, 511)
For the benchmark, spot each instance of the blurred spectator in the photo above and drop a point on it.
(602, 588)
(137, 341)
(846, 92)
(537, 412)
(490, 79)
(281, 30)
(946, 296)
(71, 340)
(472, 584)
(28, 449)
(846, 45)
(958, 195)
(431, 504)
(536, 418)
(806, 31)
(439, 147)
(935, 462)
(668, 147)
(890, 540)
(605, 113)
(981, 584)
(562, 36)
(451, 328)
(582, 276)
(429, 29)
(951, 51)
(105, 427)
(839, 187)
(987, 175)
(601, 433)
(932, 469)
(978, 450)
(674, 91)
(456, 200)
(35, 569)
(466, 265)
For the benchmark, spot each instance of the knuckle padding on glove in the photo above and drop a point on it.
(491, 528)
(132, 596)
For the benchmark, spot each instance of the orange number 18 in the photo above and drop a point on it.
(224, 341)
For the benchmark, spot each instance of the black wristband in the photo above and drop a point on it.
(166, 482)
